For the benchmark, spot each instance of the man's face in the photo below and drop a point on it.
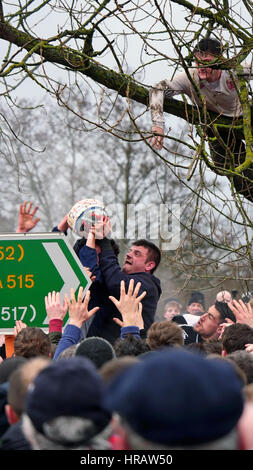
(195, 308)
(136, 260)
(208, 324)
(204, 72)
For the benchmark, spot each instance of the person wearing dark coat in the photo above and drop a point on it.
(140, 262)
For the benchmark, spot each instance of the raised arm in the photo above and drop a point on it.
(26, 219)
(78, 314)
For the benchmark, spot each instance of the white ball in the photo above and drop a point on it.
(85, 214)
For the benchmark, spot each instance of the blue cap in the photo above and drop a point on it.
(176, 397)
(68, 387)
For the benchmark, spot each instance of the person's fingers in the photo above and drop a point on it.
(24, 207)
(72, 295)
(65, 305)
(66, 299)
(86, 299)
(34, 210)
(114, 300)
(243, 305)
(53, 297)
(228, 320)
(29, 207)
(137, 288)
(119, 322)
(46, 302)
(92, 312)
(58, 298)
(122, 289)
(80, 295)
(141, 296)
(130, 287)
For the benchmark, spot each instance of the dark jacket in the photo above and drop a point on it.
(190, 335)
(14, 438)
(103, 324)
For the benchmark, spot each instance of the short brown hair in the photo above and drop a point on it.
(164, 333)
(154, 253)
(236, 336)
(21, 378)
(32, 342)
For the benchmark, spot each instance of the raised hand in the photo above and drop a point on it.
(78, 309)
(26, 220)
(158, 137)
(19, 325)
(63, 225)
(129, 305)
(54, 308)
(243, 312)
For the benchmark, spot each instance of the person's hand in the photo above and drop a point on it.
(26, 220)
(157, 140)
(19, 325)
(78, 309)
(88, 271)
(249, 347)
(63, 225)
(54, 308)
(129, 305)
(221, 328)
(100, 229)
(243, 312)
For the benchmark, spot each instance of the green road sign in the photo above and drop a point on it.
(31, 265)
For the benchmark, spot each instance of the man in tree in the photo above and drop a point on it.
(215, 89)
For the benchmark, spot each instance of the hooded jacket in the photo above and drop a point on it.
(103, 324)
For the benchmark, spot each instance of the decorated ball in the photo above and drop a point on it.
(86, 214)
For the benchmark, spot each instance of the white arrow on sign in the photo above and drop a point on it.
(63, 267)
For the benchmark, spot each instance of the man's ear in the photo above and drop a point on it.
(223, 353)
(149, 266)
(11, 415)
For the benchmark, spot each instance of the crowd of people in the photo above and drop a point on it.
(114, 378)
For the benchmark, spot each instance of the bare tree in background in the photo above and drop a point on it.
(87, 45)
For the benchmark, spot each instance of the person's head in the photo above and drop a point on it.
(207, 50)
(212, 346)
(8, 366)
(245, 361)
(116, 366)
(32, 342)
(64, 407)
(163, 334)
(143, 256)
(130, 346)
(196, 303)
(172, 308)
(235, 337)
(208, 326)
(224, 296)
(98, 350)
(68, 352)
(176, 399)
(19, 381)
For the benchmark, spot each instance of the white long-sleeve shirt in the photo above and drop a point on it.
(220, 96)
